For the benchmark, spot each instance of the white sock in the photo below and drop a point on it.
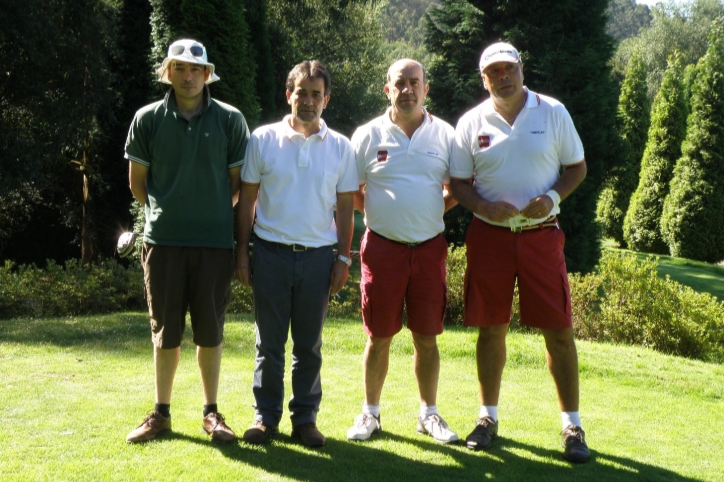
(570, 418)
(426, 411)
(371, 410)
(489, 411)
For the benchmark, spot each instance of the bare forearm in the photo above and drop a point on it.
(245, 214)
(137, 181)
(448, 198)
(464, 193)
(234, 184)
(571, 178)
(345, 222)
(359, 199)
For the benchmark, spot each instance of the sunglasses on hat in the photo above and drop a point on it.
(195, 50)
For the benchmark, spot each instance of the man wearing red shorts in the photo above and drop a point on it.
(403, 162)
(507, 156)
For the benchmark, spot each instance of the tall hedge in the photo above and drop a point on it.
(632, 124)
(693, 216)
(641, 226)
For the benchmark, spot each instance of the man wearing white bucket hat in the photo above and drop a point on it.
(515, 157)
(185, 154)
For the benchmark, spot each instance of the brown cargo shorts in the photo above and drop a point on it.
(181, 279)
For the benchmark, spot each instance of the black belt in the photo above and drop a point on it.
(297, 248)
(409, 245)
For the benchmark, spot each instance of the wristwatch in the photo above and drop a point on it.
(345, 259)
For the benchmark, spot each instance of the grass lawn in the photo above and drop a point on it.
(702, 277)
(72, 388)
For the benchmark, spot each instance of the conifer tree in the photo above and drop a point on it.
(668, 127)
(693, 218)
(565, 49)
(632, 125)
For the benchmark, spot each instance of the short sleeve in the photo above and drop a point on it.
(571, 148)
(251, 170)
(360, 153)
(138, 140)
(461, 157)
(348, 180)
(238, 140)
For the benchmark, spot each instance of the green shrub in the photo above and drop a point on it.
(626, 301)
(69, 290)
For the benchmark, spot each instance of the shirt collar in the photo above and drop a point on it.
(387, 118)
(291, 133)
(169, 101)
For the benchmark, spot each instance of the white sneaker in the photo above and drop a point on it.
(437, 428)
(364, 426)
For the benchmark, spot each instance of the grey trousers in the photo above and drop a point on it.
(290, 289)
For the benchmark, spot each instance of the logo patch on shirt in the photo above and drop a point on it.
(483, 141)
(537, 132)
(381, 156)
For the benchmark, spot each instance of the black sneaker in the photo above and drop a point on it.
(574, 442)
(486, 429)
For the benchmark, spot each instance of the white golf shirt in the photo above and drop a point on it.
(299, 179)
(404, 176)
(515, 163)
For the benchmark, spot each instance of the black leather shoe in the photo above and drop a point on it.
(486, 429)
(310, 435)
(574, 443)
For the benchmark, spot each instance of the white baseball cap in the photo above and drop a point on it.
(499, 52)
(186, 50)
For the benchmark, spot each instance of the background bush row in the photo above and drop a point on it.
(623, 301)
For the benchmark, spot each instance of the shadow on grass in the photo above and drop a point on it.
(110, 332)
(360, 461)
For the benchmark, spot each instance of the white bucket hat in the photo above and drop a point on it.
(499, 52)
(186, 50)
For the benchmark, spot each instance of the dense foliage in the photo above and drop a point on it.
(640, 308)
(681, 26)
(642, 229)
(565, 49)
(626, 18)
(693, 216)
(632, 125)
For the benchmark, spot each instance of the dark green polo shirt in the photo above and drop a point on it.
(189, 197)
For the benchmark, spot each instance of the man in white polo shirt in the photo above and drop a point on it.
(403, 161)
(505, 168)
(296, 171)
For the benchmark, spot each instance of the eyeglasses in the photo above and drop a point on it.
(195, 50)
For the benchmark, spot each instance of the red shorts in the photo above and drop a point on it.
(496, 257)
(394, 274)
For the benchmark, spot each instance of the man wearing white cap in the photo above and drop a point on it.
(185, 154)
(506, 168)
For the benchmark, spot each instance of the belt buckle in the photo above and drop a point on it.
(298, 248)
(411, 245)
(516, 229)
